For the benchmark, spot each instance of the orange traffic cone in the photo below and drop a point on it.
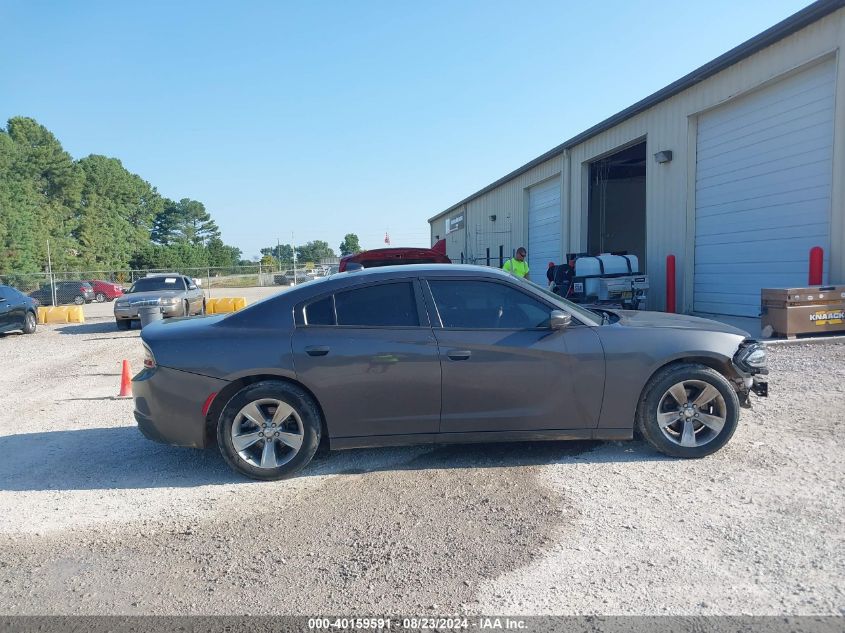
(125, 382)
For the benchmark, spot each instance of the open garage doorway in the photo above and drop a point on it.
(616, 213)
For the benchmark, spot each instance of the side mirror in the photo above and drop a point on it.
(192, 287)
(559, 320)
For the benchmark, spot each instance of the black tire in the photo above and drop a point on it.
(79, 300)
(705, 438)
(202, 310)
(303, 406)
(29, 323)
(124, 324)
(100, 297)
(187, 309)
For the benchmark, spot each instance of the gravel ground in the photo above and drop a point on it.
(96, 519)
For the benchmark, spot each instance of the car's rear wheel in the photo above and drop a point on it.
(100, 297)
(79, 300)
(269, 430)
(29, 323)
(688, 410)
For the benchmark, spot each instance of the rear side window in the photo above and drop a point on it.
(385, 305)
(485, 305)
(320, 312)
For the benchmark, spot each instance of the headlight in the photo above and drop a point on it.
(121, 303)
(752, 357)
(168, 301)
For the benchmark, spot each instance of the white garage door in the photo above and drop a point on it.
(762, 191)
(544, 229)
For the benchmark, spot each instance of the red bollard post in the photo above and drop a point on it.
(670, 284)
(816, 265)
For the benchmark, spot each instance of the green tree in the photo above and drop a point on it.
(220, 255)
(184, 221)
(93, 212)
(314, 251)
(280, 252)
(350, 245)
(116, 213)
(47, 187)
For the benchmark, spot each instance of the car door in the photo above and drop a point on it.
(504, 368)
(371, 359)
(193, 295)
(7, 308)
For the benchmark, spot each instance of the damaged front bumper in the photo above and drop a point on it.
(750, 363)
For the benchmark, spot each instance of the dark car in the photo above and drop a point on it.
(77, 292)
(17, 311)
(438, 354)
(105, 290)
(392, 257)
(290, 278)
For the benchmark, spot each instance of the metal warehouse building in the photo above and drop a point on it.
(736, 169)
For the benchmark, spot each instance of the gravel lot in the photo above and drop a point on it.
(96, 519)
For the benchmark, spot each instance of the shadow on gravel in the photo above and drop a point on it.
(121, 458)
(100, 327)
(104, 458)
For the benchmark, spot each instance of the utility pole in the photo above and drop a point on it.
(293, 248)
(279, 253)
(50, 273)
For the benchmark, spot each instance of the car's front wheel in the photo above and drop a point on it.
(123, 324)
(688, 410)
(269, 430)
(79, 300)
(29, 323)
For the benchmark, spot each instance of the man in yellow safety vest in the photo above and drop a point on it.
(517, 266)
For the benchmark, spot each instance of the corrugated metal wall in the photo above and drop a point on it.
(670, 187)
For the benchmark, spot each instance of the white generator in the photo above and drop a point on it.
(608, 278)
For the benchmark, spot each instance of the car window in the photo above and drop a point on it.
(320, 312)
(152, 284)
(482, 304)
(381, 305)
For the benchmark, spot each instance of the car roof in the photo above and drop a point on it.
(428, 270)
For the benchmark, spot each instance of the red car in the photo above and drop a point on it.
(392, 257)
(106, 290)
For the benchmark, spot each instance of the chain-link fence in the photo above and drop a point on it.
(280, 273)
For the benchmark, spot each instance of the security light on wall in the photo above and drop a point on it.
(493, 218)
(663, 157)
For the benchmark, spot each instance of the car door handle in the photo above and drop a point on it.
(316, 350)
(459, 354)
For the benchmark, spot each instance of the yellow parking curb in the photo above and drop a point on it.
(223, 305)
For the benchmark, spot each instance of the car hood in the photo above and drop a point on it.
(153, 294)
(636, 318)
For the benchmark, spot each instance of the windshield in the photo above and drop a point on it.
(152, 284)
(588, 316)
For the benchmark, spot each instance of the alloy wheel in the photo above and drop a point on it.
(100, 297)
(691, 413)
(267, 433)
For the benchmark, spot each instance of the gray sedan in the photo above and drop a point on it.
(175, 295)
(438, 354)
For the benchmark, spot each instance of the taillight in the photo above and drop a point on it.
(149, 359)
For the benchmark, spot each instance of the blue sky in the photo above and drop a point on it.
(322, 118)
